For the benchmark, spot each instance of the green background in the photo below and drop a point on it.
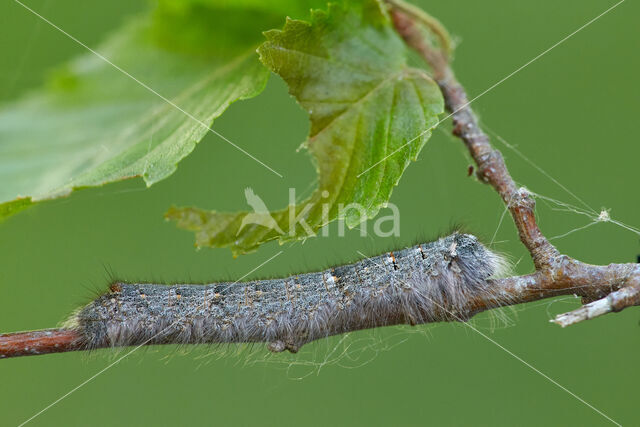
(574, 113)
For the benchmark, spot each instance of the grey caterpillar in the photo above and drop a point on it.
(425, 283)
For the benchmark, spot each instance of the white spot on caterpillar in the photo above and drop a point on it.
(452, 250)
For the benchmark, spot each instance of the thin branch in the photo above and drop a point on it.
(611, 288)
(39, 342)
(612, 303)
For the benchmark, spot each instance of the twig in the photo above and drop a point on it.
(39, 342)
(611, 288)
(613, 302)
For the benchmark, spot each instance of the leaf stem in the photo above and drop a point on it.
(434, 25)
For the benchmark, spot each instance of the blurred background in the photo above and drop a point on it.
(573, 112)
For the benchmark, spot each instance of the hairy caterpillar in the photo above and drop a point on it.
(425, 283)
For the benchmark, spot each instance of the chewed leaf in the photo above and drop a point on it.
(370, 115)
(93, 124)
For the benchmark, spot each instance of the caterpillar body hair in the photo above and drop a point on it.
(425, 283)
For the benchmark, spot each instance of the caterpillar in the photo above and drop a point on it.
(425, 283)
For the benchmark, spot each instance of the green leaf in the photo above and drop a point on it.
(93, 125)
(291, 8)
(347, 68)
